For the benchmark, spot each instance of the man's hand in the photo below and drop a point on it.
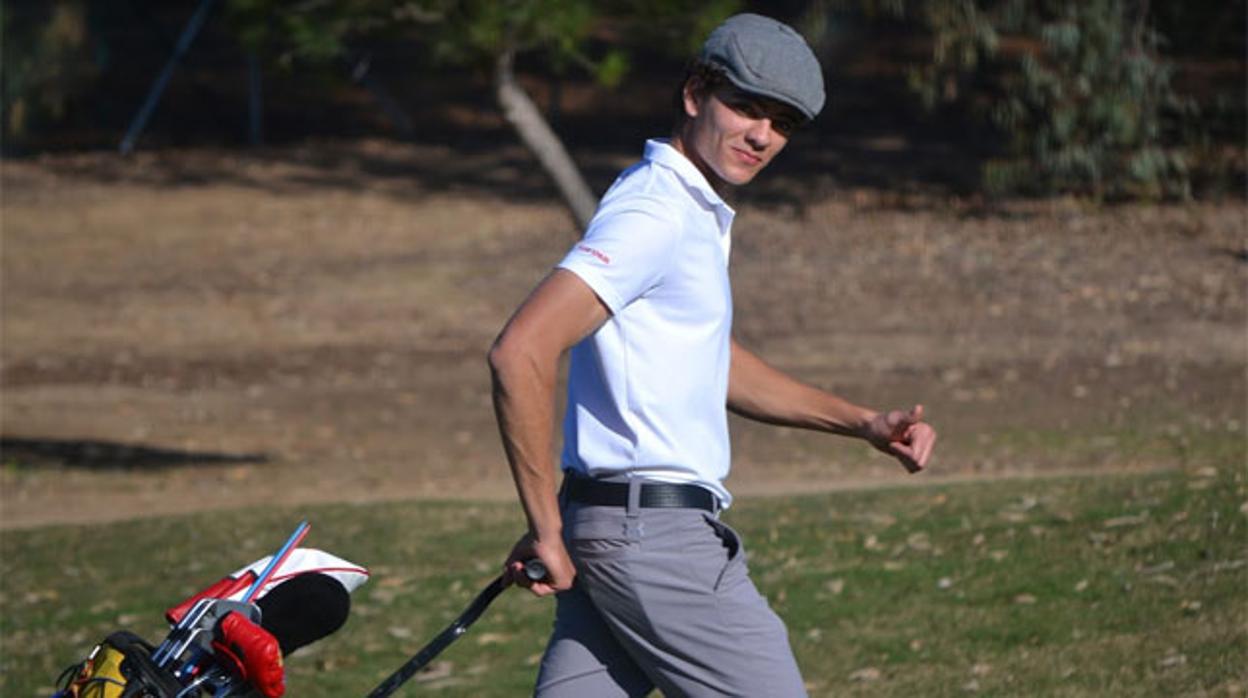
(559, 569)
(904, 436)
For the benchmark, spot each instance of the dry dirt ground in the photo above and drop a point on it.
(205, 329)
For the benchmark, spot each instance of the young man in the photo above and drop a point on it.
(652, 588)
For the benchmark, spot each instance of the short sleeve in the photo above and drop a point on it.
(626, 250)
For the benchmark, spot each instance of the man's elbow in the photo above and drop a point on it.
(497, 357)
(507, 355)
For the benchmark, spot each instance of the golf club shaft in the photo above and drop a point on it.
(278, 558)
(533, 569)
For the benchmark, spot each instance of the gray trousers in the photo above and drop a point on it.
(663, 599)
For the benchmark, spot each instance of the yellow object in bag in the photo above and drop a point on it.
(120, 665)
(100, 676)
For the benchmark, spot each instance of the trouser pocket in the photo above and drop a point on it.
(734, 562)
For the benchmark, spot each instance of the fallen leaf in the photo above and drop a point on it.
(492, 638)
(919, 541)
(865, 674)
(1120, 521)
(1155, 569)
(1173, 660)
(1025, 599)
(383, 596)
(435, 671)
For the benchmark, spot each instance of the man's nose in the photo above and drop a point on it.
(758, 135)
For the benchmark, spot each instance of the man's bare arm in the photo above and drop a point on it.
(762, 393)
(524, 364)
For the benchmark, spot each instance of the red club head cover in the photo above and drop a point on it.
(244, 643)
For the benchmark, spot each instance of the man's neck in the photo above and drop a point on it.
(678, 142)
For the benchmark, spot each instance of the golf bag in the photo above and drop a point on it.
(221, 645)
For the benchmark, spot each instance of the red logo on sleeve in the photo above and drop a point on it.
(599, 254)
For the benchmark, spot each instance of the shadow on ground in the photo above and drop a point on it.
(110, 455)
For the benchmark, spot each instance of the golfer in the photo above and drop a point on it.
(653, 590)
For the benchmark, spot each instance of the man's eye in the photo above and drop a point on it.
(747, 109)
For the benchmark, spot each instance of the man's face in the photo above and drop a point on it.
(732, 135)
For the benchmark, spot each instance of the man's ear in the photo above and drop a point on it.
(691, 95)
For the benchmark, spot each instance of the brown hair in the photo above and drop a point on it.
(703, 78)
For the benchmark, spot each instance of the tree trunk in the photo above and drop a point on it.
(524, 116)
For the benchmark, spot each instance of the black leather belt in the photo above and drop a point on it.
(654, 495)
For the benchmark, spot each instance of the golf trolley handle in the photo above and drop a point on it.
(533, 569)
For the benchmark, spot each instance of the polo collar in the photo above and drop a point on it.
(660, 150)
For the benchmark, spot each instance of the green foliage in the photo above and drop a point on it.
(476, 32)
(46, 58)
(1087, 110)
(1079, 89)
(310, 31)
(479, 30)
(677, 26)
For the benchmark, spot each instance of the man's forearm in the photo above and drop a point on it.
(524, 405)
(762, 393)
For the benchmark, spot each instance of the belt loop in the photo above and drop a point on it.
(633, 526)
(634, 497)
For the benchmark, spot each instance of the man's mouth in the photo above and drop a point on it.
(747, 157)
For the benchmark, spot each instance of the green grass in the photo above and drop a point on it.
(1108, 585)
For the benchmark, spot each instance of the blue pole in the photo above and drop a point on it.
(139, 122)
(300, 531)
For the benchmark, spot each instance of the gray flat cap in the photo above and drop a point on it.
(763, 56)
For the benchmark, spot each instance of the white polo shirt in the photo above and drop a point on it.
(647, 392)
